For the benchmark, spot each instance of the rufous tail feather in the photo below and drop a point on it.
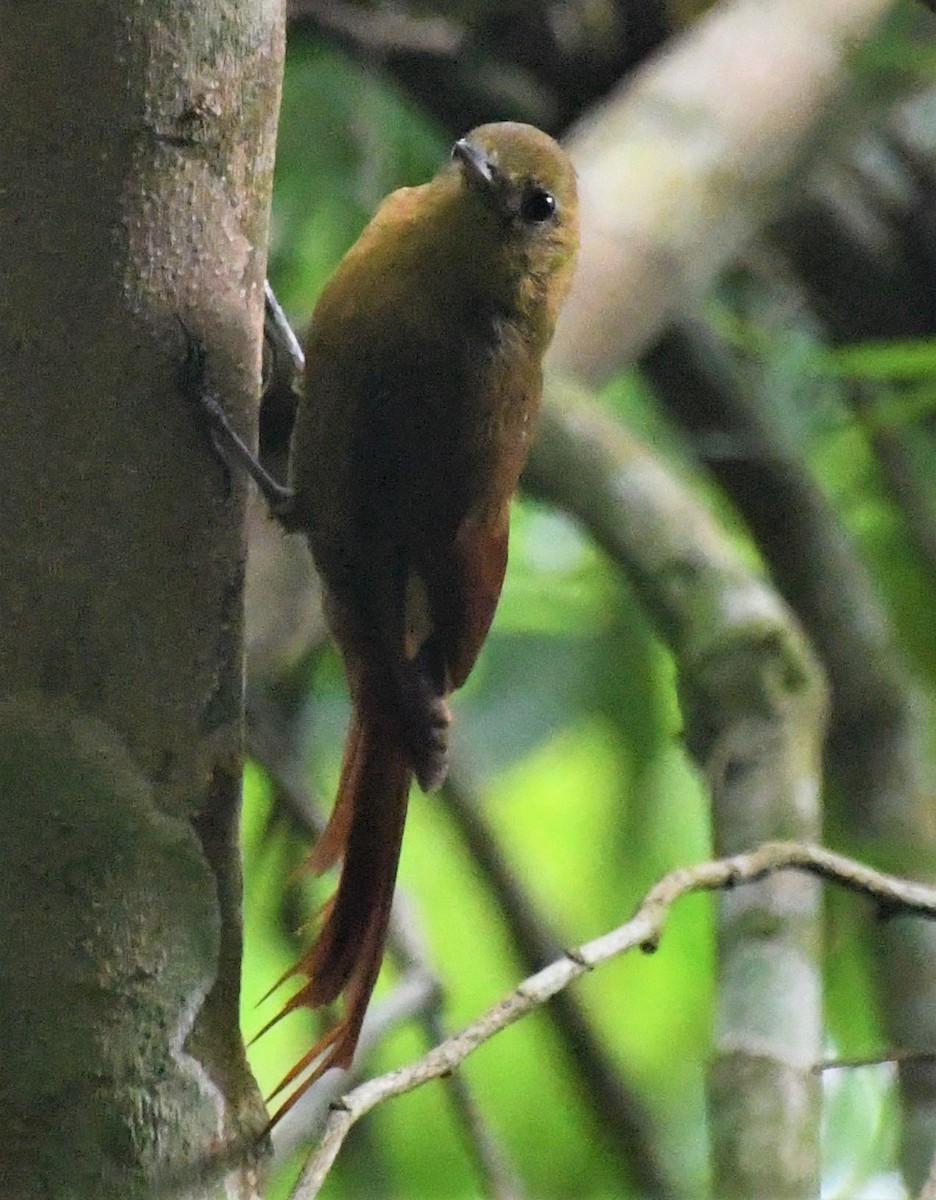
(365, 831)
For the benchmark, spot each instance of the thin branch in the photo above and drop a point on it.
(643, 931)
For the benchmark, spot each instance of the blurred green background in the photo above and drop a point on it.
(569, 738)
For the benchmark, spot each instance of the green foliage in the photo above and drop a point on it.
(347, 138)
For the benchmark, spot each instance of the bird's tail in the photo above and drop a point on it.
(365, 830)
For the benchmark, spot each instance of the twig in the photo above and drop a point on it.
(644, 931)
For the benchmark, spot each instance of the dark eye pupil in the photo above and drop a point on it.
(538, 206)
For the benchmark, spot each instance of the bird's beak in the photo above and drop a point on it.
(475, 162)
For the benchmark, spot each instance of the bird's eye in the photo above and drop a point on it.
(538, 206)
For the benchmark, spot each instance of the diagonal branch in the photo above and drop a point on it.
(643, 931)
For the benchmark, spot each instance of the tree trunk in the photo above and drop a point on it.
(136, 155)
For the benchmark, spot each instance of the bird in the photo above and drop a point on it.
(422, 383)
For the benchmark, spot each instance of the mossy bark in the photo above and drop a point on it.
(136, 155)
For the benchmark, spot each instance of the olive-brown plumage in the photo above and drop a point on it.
(422, 383)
